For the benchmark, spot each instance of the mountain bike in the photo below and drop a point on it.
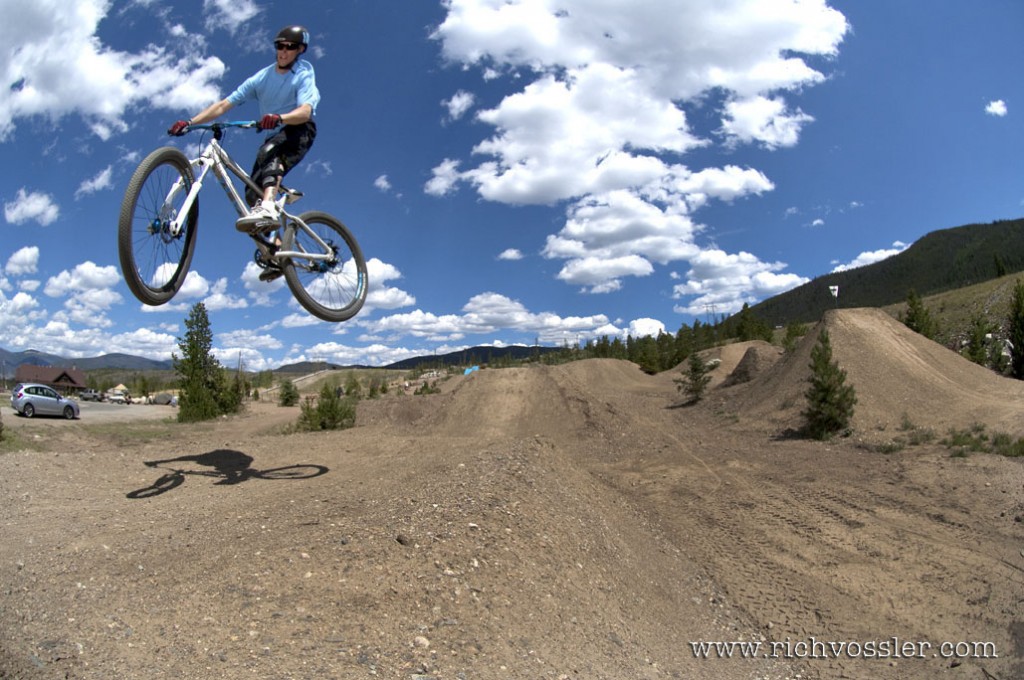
(317, 254)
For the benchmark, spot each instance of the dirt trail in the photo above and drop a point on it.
(547, 522)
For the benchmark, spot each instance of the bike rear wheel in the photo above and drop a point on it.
(334, 289)
(154, 260)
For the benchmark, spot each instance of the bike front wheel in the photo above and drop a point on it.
(293, 472)
(155, 257)
(332, 288)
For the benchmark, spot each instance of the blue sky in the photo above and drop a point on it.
(515, 170)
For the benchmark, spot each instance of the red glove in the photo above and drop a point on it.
(179, 128)
(270, 121)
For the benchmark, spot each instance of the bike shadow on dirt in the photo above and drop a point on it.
(228, 466)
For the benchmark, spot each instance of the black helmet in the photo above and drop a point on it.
(293, 34)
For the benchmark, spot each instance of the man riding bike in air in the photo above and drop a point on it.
(287, 96)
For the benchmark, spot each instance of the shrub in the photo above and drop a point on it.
(330, 412)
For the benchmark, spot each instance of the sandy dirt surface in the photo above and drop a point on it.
(547, 522)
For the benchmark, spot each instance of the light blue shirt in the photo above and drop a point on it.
(279, 92)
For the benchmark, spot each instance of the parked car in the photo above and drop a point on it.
(90, 394)
(30, 399)
(119, 397)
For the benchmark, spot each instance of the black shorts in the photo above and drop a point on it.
(281, 152)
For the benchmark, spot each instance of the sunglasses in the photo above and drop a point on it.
(291, 47)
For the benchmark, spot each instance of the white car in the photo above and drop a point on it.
(119, 397)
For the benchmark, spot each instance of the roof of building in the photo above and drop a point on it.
(55, 376)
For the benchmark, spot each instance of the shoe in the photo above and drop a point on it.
(271, 273)
(262, 217)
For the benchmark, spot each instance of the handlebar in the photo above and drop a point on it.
(228, 124)
(219, 128)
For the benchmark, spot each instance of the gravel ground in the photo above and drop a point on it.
(549, 522)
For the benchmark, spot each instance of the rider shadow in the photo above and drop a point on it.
(232, 467)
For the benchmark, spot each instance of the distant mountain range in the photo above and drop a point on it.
(9, 361)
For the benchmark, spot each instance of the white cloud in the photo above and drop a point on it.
(764, 120)
(723, 282)
(870, 257)
(31, 206)
(261, 293)
(55, 66)
(446, 176)
(996, 108)
(600, 119)
(248, 338)
(99, 182)
(229, 15)
(486, 314)
(219, 298)
(459, 104)
(382, 183)
(618, 234)
(603, 274)
(23, 261)
(318, 168)
(89, 292)
(380, 295)
(194, 286)
(640, 328)
(15, 312)
(84, 277)
(372, 355)
(510, 254)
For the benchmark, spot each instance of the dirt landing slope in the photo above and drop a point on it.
(898, 375)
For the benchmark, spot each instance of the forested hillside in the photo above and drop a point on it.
(939, 261)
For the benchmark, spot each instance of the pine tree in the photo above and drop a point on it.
(976, 349)
(288, 395)
(1016, 331)
(198, 370)
(695, 380)
(918, 318)
(794, 331)
(830, 401)
(749, 327)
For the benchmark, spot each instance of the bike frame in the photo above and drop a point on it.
(215, 157)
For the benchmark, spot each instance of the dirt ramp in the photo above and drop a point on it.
(553, 401)
(899, 376)
(757, 358)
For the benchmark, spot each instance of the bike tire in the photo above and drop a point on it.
(292, 472)
(333, 291)
(154, 262)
